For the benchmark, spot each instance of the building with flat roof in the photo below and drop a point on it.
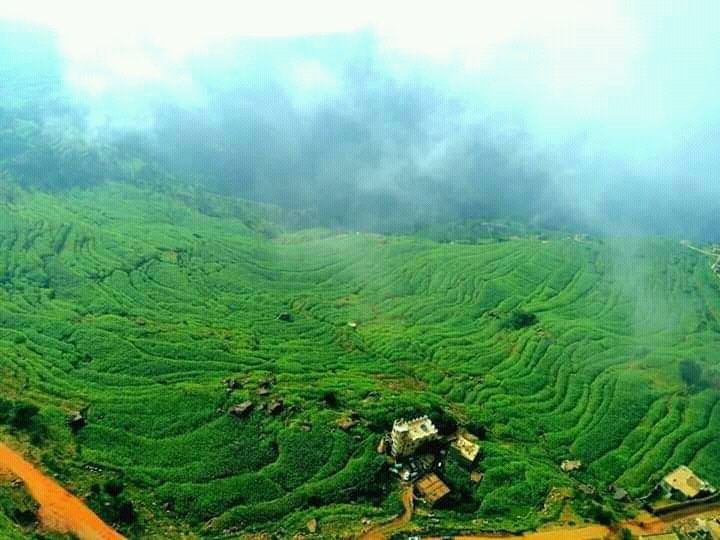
(408, 435)
(570, 465)
(686, 482)
(466, 447)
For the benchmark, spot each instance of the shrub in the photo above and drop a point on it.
(126, 512)
(520, 319)
(22, 415)
(6, 410)
(601, 514)
(477, 429)
(330, 399)
(444, 422)
(114, 487)
(691, 373)
(462, 490)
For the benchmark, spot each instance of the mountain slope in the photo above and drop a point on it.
(135, 306)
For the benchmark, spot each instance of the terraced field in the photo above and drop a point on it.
(135, 306)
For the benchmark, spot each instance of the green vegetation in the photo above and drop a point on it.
(691, 373)
(520, 319)
(136, 305)
(19, 514)
(22, 417)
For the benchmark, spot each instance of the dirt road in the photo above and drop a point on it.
(649, 524)
(642, 524)
(60, 511)
(384, 531)
(591, 532)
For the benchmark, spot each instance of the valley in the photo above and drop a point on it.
(135, 307)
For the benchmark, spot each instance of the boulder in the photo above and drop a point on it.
(77, 421)
(346, 423)
(241, 409)
(275, 407)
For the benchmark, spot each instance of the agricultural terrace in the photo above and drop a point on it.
(133, 306)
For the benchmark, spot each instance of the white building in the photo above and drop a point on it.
(408, 435)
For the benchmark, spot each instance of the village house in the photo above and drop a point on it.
(407, 436)
(431, 488)
(570, 465)
(466, 447)
(699, 529)
(685, 482)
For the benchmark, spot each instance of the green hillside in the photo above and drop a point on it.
(135, 306)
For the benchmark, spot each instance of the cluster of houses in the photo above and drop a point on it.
(680, 488)
(417, 454)
(690, 529)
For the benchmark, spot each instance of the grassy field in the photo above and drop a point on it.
(135, 305)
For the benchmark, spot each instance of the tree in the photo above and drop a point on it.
(691, 373)
(126, 512)
(114, 487)
(23, 415)
(330, 398)
(520, 319)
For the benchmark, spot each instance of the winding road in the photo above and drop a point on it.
(384, 531)
(643, 524)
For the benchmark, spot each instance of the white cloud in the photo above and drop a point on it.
(149, 41)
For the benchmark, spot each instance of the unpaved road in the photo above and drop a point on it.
(649, 524)
(384, 531)
(644, 523)
(60, 511)
(591, 532)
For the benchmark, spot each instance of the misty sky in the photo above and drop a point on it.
(601, 114)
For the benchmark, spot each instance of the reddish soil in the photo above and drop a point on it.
(384, 531)
(60, 511)
(644, 523)
(591, 532)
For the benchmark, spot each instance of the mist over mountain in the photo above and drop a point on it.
(601, 119)
(366, 270)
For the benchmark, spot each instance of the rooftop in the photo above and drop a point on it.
(686, 482)
(418, 428)
(467, 447)
(431, 488)
(570, 465)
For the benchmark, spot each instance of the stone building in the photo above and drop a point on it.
(408, 435)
